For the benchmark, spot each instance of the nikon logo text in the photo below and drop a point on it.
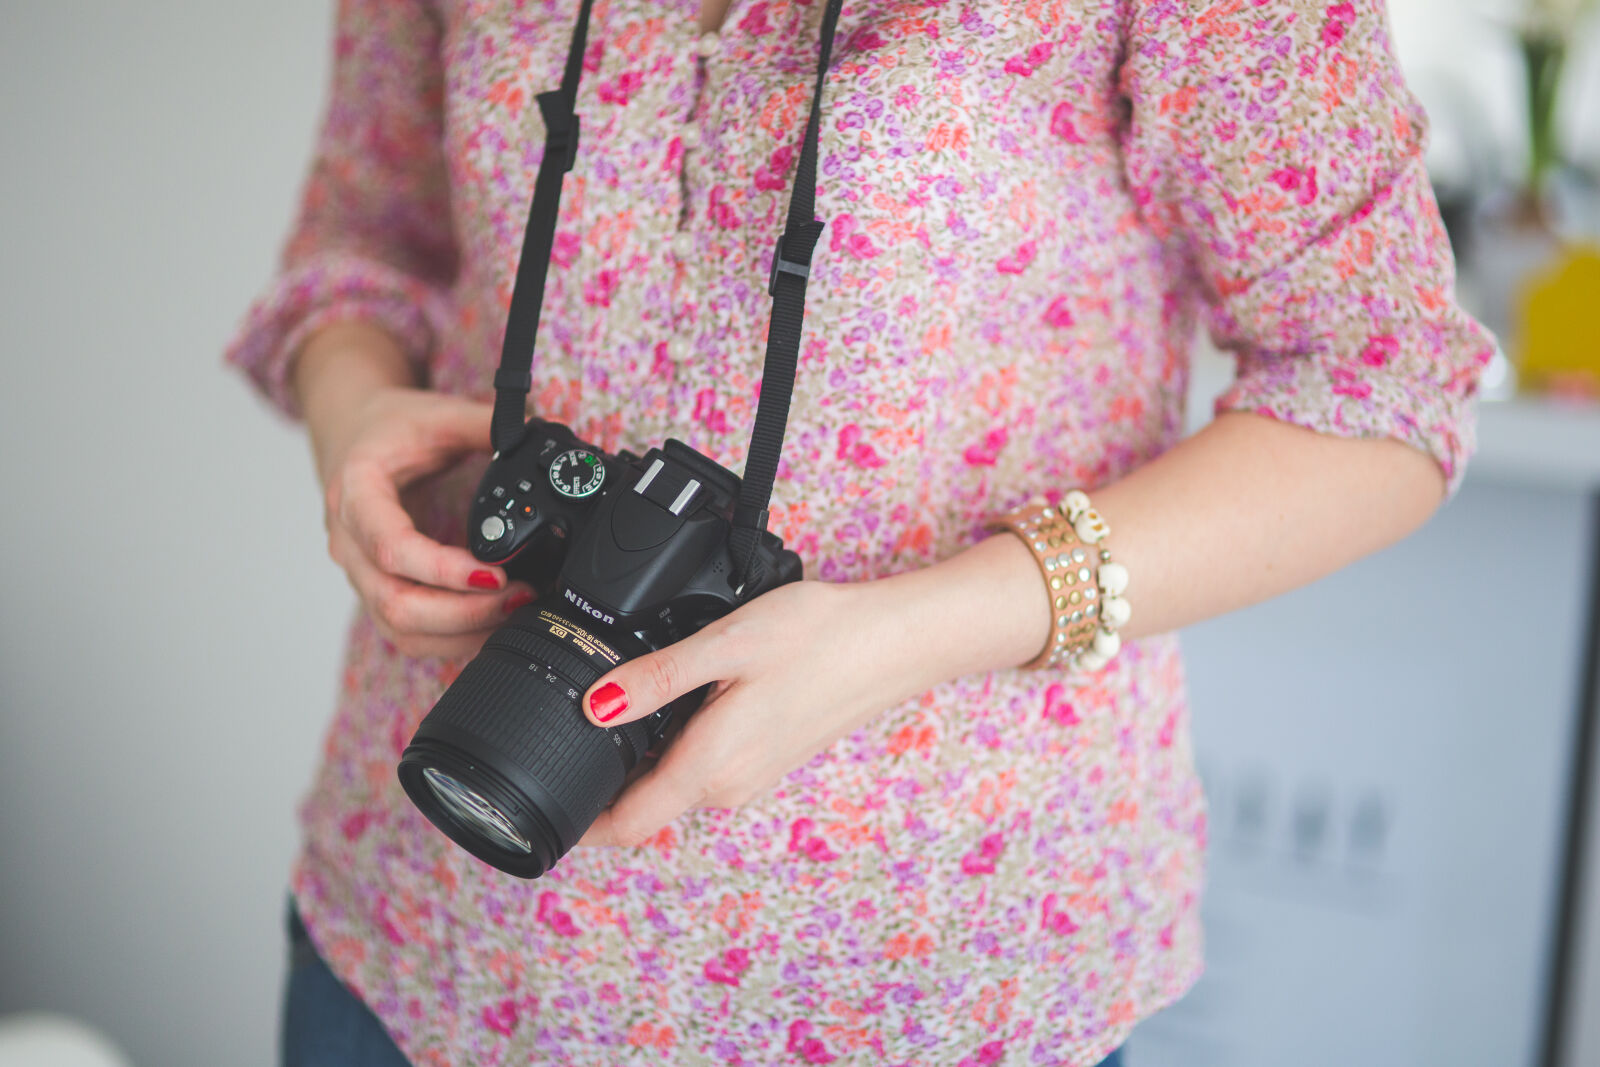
(588, 609)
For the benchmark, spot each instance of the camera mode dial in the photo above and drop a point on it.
(577, 473)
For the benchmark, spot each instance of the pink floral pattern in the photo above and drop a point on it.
(1031, 205)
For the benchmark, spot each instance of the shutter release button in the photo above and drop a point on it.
(493, 528)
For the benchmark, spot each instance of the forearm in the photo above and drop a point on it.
(336, 369)
(1252, 507)
(1248, 508)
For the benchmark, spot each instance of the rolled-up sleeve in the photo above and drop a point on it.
(1277, 141)
(373, 238)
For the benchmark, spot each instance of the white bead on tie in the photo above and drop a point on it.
(708, 44)
(1090, 527)
(1113, 579)
(1115, 612)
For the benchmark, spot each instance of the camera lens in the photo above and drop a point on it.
(506, 764)
(468, 807)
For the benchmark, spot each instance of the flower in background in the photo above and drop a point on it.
(1544, 28)
(1556, 16)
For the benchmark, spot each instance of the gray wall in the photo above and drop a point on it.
(168, 622)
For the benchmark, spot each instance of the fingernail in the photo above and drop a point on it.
(483, 580)
(517, 600)
(608, 702)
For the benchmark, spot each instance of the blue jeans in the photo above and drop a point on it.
(326, 1025)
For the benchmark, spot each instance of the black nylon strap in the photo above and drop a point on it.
(514, 379)
(791, 267)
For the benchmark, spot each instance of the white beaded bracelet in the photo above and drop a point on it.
(1085, 620)
(1112, 579)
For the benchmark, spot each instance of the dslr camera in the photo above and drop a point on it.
(628, 554)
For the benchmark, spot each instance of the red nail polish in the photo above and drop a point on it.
(483, 580)
(608, 702)
(517, 600)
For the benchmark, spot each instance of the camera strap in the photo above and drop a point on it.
(514, 378)
(791, 266)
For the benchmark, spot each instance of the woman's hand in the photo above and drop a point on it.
(795, 670)
(371, 439)
(801, 666)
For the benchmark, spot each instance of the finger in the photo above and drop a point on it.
(455, 424)
(460, 647)
(406, 609)
(369, 507)
(640, 686)
(655, 798)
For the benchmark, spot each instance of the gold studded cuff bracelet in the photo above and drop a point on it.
(1086, 585)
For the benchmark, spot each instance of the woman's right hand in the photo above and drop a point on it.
(371, 439)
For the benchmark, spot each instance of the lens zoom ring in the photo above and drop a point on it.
(521, 718)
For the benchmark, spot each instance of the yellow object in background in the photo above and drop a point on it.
(1559, 350)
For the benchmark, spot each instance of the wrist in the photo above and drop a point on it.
(336, 371)
(1085, 585)
(982, 609)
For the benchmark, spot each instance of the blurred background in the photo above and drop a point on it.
(1396, 867)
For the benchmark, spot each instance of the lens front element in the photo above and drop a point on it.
(478, 814)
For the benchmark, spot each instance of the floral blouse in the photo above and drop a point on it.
(1031, 207)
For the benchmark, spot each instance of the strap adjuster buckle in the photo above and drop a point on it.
(561, 128)
(785, 266)
(520, 380)
(746, 517)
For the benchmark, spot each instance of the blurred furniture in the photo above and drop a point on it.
(1396, 767)
(41, 1040)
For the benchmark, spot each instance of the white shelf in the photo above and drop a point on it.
(1536, 442)
(1522, 441)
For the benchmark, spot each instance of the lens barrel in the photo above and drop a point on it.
(508, 748)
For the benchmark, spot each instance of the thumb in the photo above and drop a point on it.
(641, 686)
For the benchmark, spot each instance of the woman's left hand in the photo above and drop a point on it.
(794, 670)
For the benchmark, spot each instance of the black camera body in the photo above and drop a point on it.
(628, 554)
(645, 539)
